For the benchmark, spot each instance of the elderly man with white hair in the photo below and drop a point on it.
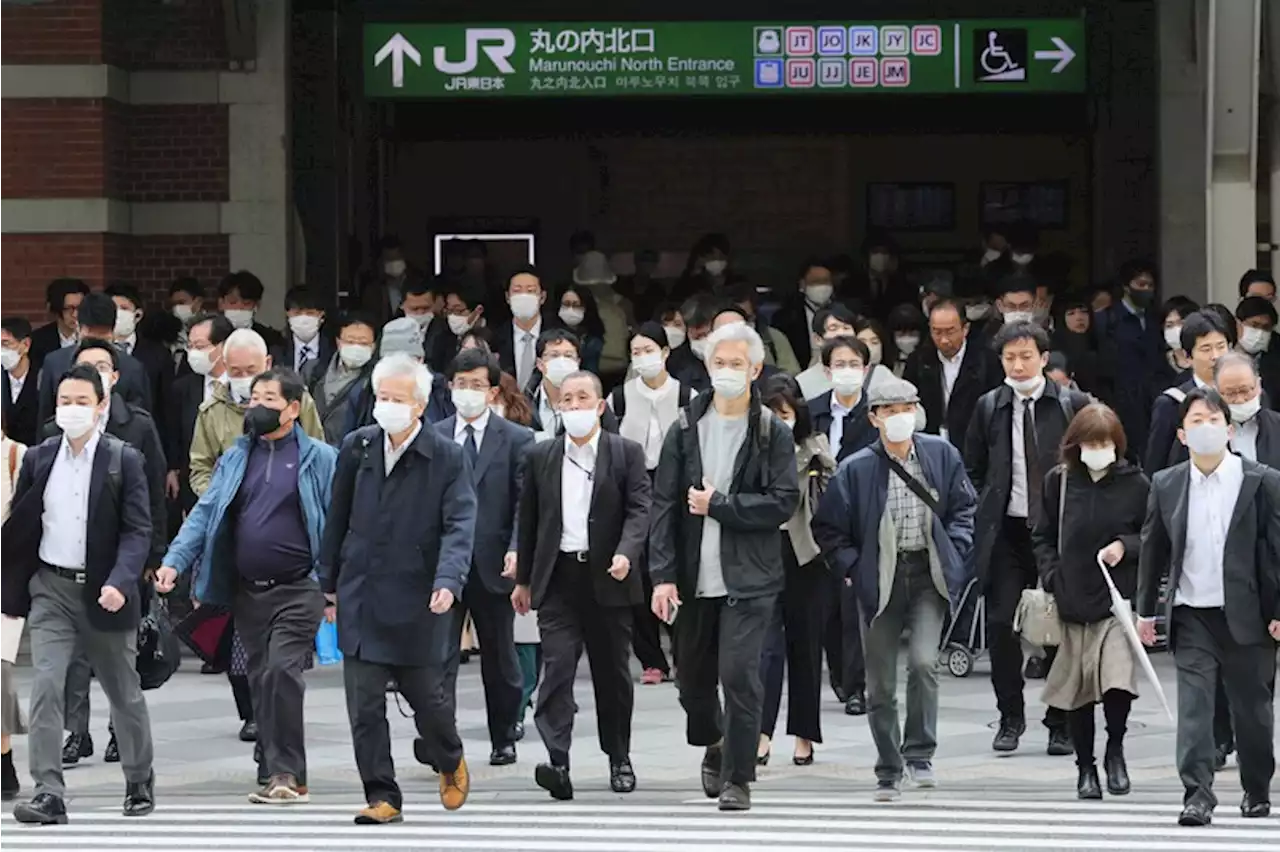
(396, 555)
(726, 481)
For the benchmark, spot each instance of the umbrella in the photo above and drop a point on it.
(1124, 614)
(207, 631)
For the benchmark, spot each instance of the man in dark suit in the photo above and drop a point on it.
(205, 336)
(584, 521)
(18, 381)
(952, 373)
(1256, 436)
(516, 342)
(155, 357)
(496, 448)
(308, 346)
(1223, 609)
(559, 354)
(396, 555)
(97, 315)
(63, 297)
(239, 294)
(74, 546)
(1206, 338)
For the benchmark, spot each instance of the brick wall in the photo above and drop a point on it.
(29, 262)
(62, 32)
(53, 148)
(177, 153)
(153, 262)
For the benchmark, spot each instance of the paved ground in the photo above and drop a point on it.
(1021, 802)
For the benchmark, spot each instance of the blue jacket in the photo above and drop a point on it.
(203, 535)
(847, 523)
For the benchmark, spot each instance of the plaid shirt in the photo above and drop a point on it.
(908, 512)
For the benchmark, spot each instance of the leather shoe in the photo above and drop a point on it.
(711, 763)
(1254, 808)
(111, 754)
(1059, 743)
(503, 755)
(1087, 786)
(735, 797)
(139, 797)
(76, 748)
(856, 705)
(44, 809)
(555, 780)
(1010, 732)
(1117, 772)
(249, 732)
(841, 695)
(1195, 814)
(517, 731)
(1220, 755)
(622, 776)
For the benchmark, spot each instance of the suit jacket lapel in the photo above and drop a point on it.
(1182, 487)
(98, 478)
(601, 471)
(554, 474)
(1244, 502)
(1264, 438)
(494, 440)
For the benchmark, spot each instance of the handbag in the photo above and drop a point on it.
(327, 651)
(159, 650)
(1036, 617)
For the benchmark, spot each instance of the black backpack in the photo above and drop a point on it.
(618, 399)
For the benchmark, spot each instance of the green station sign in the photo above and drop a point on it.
(678, 59)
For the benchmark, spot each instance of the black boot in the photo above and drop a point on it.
(9, 784)
(1117, 770)
(140, 797)
(1087, 786)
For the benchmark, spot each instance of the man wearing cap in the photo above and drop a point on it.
(402, 335)
(897, 522)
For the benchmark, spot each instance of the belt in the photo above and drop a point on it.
(264, 585)
(76, 575)
(575, 555)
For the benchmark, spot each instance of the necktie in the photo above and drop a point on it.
(524, 370)
(304, 358)
(469, 446)
(1035, 477)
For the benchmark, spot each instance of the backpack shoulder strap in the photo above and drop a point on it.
(683, 395)
(618, 400)
(115, 464)
(1176, 394)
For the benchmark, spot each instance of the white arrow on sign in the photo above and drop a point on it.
(398, 48)
(1064, 54)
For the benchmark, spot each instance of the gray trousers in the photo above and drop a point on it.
(278, 628)
(78, 677)
(59, 623)
(913, 603)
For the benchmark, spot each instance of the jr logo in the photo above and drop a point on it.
(498, 53)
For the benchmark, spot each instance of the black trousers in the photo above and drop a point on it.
(646, 635)
(719, 641)
(794, 642)
(570, 622)
(846, 665)
(1223, 736)
(1203, 650)
(499, 665)
(366, 691)
(1013, 568)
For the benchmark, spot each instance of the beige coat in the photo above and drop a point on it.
(815, 465)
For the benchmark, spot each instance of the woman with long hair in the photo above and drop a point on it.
(577, 311)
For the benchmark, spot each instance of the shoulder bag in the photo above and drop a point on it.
(1036, 618)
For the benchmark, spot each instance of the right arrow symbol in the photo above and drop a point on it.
(1063, 54)
(398, 47)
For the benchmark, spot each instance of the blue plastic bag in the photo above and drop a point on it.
(327, 652)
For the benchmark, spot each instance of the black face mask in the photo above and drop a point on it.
(260, 420)
(1141, 298)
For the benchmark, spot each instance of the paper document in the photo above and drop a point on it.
(10, 637)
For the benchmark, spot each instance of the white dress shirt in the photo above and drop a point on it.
(305, 353)
(547, 414)
(524, 354)
(64, 342)
(65, 519)
(835, 433)
(1018, 507)
(15, 386)
(1211, 500)
(478, 426)
(951, 372)
(209, 382)
(392, 455)
(575, 492)
(128, 343)
(1245, 441)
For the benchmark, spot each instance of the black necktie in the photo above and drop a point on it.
(304, 358)
(469, 446)
(1034, 476)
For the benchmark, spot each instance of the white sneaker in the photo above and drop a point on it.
(921, 775)
(282, 790)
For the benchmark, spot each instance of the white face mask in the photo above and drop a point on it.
(354, 355)
(182, 312)
(790, 421)
(899, 427)
(907, 343)
(675, 336)
(239, 318)
(991, 255)
(1173, 337)
(1026, 387)
(877, 352)
(200, 361)
(459, 324)
(423, 320)
(393, 417)
(878, 261)
(1243, 412)
(1254, 340)
(730, 384)
(648, 366)
(819, 294)
(701, 347)
(716, 267)
(9, 358)
(240, 388)
(579, 423)
(1098, 459)
(1022, 258)
(1207, 439)
(394, 268)
(524, 306)
(559, 368)
(304, 327)
(1012, 317)
(126, 322)
(977, 312)
(573, 317)
(470, 403)
(76, 420)
(847, 380)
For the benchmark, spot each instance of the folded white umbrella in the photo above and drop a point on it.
(1124, 614)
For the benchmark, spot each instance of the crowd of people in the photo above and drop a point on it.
(768, 475)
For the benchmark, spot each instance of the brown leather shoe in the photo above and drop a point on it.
(455, 786)
(378, 813)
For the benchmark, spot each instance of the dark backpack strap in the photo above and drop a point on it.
(618, 400)
(916, 486)
(115, 466)
(683, 395)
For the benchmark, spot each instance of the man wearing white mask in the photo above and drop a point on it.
(726, 482)
(307, 346)
(897, 521)
(795, 319)
(1257, 430)
(583, 525)
(517, 343)
(559, 355)
(1256, 321)
(828, 324)
(239, 295)
(155, 357)
(841, 413)
(348, 368)
(382, 297)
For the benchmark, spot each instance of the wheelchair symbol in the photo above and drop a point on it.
(997, 63)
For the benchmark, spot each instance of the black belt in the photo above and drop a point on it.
(76, 575)
(576, 555)
(264, 585)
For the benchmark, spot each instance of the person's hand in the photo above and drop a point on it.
(848, 581)
(111, 600)
(441, 601)
(1112, 553)
(1274, 629)
(172, 485)
(620, 568)
(509, 566)
(166, 579)
(1147, 631)
(520, 600)
(700, 499)
(665, 595)
(330, 607)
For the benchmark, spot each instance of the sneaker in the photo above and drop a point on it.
(921, 775)
(651, 677)
(379, 813)
(281, 790)
(1010, 732)
(887, 791)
